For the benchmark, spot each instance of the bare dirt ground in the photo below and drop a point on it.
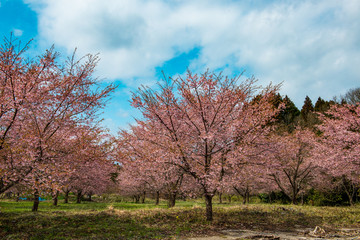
(300, 234)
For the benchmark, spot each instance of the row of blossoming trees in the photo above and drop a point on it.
(49, 137)
(199, 136)
(207, 134)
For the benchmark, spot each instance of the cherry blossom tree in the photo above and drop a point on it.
(145, 164)
(291, 163)
(340, 145)
(199, 120)
(93, 165)
(41, 100)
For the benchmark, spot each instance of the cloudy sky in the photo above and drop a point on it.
(312, 46)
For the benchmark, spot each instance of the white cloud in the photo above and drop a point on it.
(18, 32)
(313, 46)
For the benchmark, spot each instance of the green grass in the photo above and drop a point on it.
(123, 220)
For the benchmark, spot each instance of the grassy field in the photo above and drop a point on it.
(124, 220)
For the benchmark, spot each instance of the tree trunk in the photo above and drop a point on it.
(78, 196)
(270, 199)
(66, 197)
(143, 197)
(209, 212)
(137, 198)
(36, 201)
(229, 198)
(295, 192)
(351, 201)
(248, 197)
(244, 198)
(17, 197)
(55, 198)
(220, 198)
(172, 199)
(89, 197)
(157, 198)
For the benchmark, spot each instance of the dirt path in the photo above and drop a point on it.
(308, 234)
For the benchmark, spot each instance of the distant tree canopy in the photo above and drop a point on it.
(352, 96)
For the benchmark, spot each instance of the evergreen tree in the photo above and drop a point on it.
(321, 105)
(287, 118)
(291, 111)
(308, 117)
(307, 108)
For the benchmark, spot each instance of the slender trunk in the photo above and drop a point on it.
(244, 198)
(172, 199)
(302, 199)
(248, 197)
(137, 198)
(17, 197)
(55, 198)
(220, 198)
(66, 197)
(36, 201)
(351, 201)
(270, 199)
(209, 212)
(229, 198)
(143, 197)
(294, 195)
(78, 196)
(157, 198)
(89, 197)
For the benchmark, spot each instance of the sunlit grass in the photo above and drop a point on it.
(127, 220)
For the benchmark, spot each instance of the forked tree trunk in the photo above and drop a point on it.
(137, 198)
(36, 201)
(209, 212)
(349, 190)
(244, 198)
(157, 198)
(172, 199)
(55, 198)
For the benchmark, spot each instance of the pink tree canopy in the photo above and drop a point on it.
(340, 145)
(41, 101)
(198, 121)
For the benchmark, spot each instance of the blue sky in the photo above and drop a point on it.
(312, 46)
